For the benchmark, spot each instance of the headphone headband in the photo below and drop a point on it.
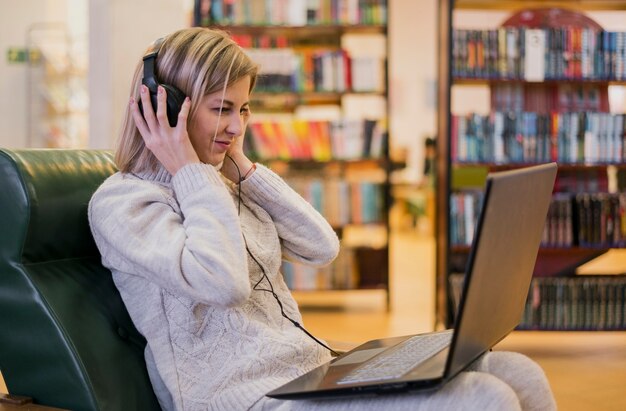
(149, 65)
(175, 97)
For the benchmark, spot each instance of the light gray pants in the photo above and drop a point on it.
(497, 381)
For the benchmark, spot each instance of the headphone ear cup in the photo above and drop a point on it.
(175, 100)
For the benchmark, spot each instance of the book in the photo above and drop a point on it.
(534, 67)
(536, 54)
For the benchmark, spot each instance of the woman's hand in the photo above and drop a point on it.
(236, 154)
(170, 145)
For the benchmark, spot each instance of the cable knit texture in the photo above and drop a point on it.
(177, 249)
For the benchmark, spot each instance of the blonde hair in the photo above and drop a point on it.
(198, 62)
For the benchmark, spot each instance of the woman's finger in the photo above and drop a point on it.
(182, 115)
(148, 110)
(140, 122)
(161, 112)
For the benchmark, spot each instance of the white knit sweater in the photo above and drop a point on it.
(177, 249)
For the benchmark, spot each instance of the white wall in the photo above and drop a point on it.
(412, 78)
(15, 20)
(120, 32)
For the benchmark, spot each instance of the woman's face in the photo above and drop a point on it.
(208, 124)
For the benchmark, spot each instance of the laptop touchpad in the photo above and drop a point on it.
(358, 356)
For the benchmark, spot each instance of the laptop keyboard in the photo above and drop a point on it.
(399, 360)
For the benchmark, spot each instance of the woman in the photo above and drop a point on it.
(194, 234)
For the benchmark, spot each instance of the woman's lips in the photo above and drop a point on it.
(223, 144)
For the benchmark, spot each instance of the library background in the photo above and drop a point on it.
(387, 116)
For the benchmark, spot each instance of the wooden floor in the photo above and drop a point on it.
(587, 370)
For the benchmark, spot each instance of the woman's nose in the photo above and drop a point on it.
(235, 125)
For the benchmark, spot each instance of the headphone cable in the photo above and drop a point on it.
(280, 304)
(271, 289)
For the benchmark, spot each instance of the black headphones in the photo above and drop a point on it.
(175, 97)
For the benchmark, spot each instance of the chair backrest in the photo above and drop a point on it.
(67, 340)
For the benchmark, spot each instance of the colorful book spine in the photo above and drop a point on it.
(563, 53)
(289, 138)
(581, 303)
(290, 12)
(529, 137)
(464, 210)
(578, 219)
(310, 69)
(342, 203)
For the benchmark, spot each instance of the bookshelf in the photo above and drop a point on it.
(56, 88)
(320, 120)
(546, 76)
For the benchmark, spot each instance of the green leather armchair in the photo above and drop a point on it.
(66, 339)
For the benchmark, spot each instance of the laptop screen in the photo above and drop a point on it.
(501, 261)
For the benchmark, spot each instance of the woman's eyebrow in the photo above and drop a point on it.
(218, 100)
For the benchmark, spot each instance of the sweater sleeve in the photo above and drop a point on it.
(200, 254)
(305, 235)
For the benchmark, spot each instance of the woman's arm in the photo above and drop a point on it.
(200, 254)
(306, 236)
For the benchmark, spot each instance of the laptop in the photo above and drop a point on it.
(497, 280)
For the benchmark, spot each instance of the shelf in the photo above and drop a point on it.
(337, 290)
(467, 81)
(281, 101)
(330, 146)
(372, 226)
(308, 164)
(554, 262)
(556, 267)
(56, 90)
(314, 95)
(304, 31)
(571, 303)
(562, 166)
(529, 4)
(339, 299)
(548, 250)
